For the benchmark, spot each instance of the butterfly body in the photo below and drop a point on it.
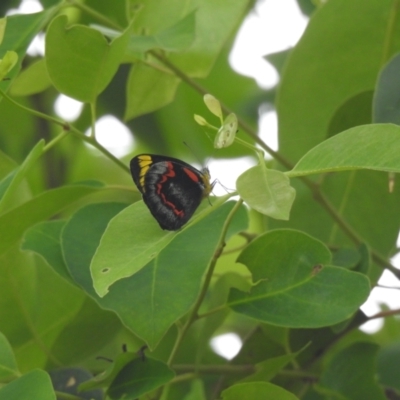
(171, 188)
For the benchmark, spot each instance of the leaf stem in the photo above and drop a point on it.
(54, 141)
(38, 114)
(66, 127)
(384, 314)
(194, 313)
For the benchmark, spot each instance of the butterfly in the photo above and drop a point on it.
(171, 188)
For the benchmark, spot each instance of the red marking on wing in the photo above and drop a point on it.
(169, 174)
(192, 175)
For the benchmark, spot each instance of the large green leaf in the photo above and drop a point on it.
(293, 285)
(34, 385)
(147, 302)
(79, 60)
(352, 373)
(375, 146)
(132, 239)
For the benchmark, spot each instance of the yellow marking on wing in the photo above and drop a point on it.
(145, 162)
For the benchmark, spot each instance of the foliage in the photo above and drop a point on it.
(86, 272)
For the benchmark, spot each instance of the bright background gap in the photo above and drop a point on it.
(226, 345)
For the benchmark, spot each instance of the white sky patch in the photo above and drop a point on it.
(273, 26)
(268, 128)
(26, 7)
(389, 297)
(227, 345)
(226, 171)
(36, 48)
(67, 108)
(112, 134)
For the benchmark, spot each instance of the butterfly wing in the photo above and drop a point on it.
(171, 189)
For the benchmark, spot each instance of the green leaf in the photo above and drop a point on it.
(44, 240)
(267, 191)
(373, 146)
(152, 292)
(294, 286)
(213, 105)
(387, 362)
(278, 59)
(124, 249)
(386, 96)
(33, 385)
(8, 364)
(81, 236)
(32, 80)
(352, 373)
(215, 23)
(323, 54)
(8, 186)
(139, 377)
(175, 38)
(352, 112)
(79, 60)
(15, 222)
(7, 63)
(19, 33)
(179, 36)
(266, 370)
(257, 391)
(3, 24)
(345, 257)
(148, 90)
(88, 332)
